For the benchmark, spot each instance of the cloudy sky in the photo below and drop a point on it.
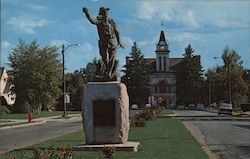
(208, 26)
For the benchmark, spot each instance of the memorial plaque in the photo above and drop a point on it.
(104, 112)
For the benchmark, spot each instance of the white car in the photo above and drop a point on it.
(225, 108)
(148, 105)
(134, 106)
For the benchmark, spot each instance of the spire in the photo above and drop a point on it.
(162, 37)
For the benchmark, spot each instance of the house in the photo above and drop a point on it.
(6, 88)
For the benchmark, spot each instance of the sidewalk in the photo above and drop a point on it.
(17, 123)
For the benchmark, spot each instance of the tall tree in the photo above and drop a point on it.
(136, 77)
(189, 80)
(246, 78)
(37, 75)
(229, 78)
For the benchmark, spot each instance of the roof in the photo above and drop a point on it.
(162, 37)
(172, 62)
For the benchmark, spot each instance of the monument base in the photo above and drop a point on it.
(127, 146)
(106, 113)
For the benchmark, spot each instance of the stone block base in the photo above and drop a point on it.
(105, 110)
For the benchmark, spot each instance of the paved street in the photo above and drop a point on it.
(21, 137)
(223, 137)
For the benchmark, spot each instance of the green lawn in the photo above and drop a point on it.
(160, 139)
(42, 114)
(166, 111)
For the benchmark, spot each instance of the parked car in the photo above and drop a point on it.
(148, 105)
(191, 107)
(200, 107)
(180, 107)
(225, 108)
(134, 106)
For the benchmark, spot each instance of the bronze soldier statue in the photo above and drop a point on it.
(107, 31)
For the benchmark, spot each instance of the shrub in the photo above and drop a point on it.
(108, 152)
(4, 110)
(140, 122)
(52, 152)
(147, 114)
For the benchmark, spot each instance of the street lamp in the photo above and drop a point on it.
(229, 80)
(64, 86)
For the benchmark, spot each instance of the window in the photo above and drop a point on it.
(164, 63)
(160, 63)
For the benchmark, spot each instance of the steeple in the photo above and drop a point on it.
(162, 40)
(162, 53)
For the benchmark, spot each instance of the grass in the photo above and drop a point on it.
(34, 116)
(160, 139)
(166, 111)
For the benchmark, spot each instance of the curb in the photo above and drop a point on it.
(23, 125)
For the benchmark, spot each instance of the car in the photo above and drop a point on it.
(200, 107)
(225, 108)
(180, 107)
(148, 105)
(191, 107)
(134, 106)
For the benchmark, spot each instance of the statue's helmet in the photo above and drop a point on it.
(103, 9)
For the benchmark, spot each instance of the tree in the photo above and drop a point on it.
(75, 81)
(229, 78)
(37, 75)
(246, 78)
(189, 78)
(136, 77)
(74, 85)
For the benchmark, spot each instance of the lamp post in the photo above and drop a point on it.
(229, 80)
(64, 84)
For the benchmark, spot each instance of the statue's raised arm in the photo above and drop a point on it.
(91, 19)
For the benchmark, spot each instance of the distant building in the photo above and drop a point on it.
(163, 76)
(6, 88)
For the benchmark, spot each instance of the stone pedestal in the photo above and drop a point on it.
(105, 110)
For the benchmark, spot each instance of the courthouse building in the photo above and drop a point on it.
(163, 76)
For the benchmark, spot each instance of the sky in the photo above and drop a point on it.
(209, 26)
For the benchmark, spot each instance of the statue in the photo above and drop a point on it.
(107, 31)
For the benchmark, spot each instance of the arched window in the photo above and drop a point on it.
(164, 64)
(160, 63)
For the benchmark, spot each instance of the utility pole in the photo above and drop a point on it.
(209, 89)
(64, 83)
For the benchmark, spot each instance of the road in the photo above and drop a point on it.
(16, 138)
(222, 137)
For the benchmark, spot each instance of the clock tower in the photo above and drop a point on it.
(162, 54)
